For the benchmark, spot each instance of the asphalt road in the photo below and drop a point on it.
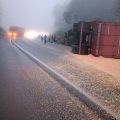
(46, 53)
(28, 93)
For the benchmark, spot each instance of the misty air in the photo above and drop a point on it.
(59, 59)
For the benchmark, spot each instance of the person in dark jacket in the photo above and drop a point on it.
(45, 39)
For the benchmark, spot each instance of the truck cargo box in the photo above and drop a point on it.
(106, 39)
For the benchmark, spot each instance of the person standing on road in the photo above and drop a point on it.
(45, 39)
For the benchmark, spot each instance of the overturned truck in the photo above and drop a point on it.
(98, 38)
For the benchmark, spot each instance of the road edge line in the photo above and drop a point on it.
(77, 92)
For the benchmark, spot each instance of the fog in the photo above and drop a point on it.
(30, 14)
(86, 10)
(50, 15)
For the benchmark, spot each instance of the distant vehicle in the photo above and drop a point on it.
(15, 30)
(12, 35)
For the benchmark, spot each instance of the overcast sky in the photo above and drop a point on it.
(31, 14)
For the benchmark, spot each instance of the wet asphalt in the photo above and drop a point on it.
(29, 93)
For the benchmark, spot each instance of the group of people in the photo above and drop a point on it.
(44, 39)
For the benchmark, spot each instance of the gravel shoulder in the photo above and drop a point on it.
(92, 75)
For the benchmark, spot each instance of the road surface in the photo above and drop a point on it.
(28, 93)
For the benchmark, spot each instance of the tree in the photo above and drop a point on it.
(117, 8)
(68, 17)
(2, 32)
(60, 23)
(87, 10)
